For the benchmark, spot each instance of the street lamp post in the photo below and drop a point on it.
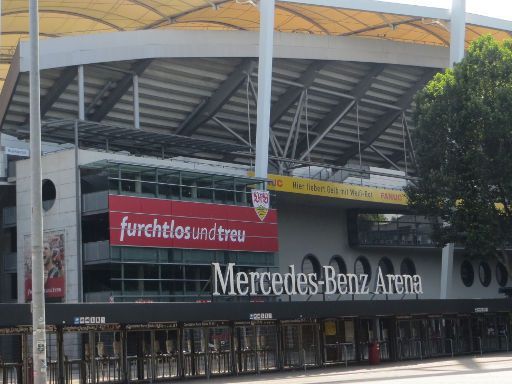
(38, 311)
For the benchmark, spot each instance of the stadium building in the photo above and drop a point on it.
(223, 199)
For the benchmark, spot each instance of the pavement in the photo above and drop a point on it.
(491, 368)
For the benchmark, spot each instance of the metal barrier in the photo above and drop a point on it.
(11, 373)
(450, 341)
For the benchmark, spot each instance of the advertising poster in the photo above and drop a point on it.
(53, 265)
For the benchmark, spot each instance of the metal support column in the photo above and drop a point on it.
(136, 111)
(264, 86)
(38, 299)
(78, 215)
(457, 31)
(81, 93)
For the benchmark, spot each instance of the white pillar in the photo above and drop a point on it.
(81, 93)
(457, 30)
(36, 227)
(264, 86)
(447, 270)
(136, 112)
(457, 41)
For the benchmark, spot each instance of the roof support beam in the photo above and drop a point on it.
(215, 102)
(293, 93)
(59, 86)
(387, 119)
(376, 150)
(121, 88)
(340, 111)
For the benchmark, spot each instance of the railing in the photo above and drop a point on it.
(410, 349)
(10, 373)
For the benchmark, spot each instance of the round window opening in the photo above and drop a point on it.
(501, 275)
(49, 194)
(362, 266)
(484, 273)
(467, 273)
(386, 268)
(407, 267)
(338, 264)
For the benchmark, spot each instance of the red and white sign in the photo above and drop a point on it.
(146, 222)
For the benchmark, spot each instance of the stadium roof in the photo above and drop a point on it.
(343, 79)
(365, 18)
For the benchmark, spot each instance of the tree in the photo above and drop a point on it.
(463, 143)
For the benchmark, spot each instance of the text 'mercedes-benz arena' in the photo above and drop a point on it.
(223, 190)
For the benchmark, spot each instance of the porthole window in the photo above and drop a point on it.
(338, 264)
(362, 266)
(407, 267)
(501, 275)
(484, 273)
(467, 274)
(310, 264)
(386, 267)
(49, 193)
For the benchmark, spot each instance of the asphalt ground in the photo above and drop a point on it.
(492, 368)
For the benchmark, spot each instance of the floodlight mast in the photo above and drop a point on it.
(38, 310)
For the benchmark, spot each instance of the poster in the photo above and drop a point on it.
(53, 265)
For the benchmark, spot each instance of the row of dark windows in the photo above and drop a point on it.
(310, 264)
(467, 274)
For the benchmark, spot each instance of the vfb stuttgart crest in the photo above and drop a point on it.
(261, 203)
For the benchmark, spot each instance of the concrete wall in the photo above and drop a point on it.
(59, 167)
(306, 226)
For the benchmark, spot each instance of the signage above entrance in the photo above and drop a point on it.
(148, 222)
(336, 190)
(228, 282)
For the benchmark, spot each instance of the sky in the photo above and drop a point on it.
(495, 8)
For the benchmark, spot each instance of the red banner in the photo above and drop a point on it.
(146, 222)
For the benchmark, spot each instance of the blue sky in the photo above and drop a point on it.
(495, 8)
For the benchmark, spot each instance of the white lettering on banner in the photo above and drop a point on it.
(227, 282)
(171, 230)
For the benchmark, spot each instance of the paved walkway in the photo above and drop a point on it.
(494, 368)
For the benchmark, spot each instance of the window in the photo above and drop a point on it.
(467, 273)
(362, 266)
(49, 194)
(484, 273)
(310, 264)
(407, 267)
(501, 275)
(338, 264)
(386, 267)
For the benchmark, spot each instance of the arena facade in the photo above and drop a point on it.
(222, 198)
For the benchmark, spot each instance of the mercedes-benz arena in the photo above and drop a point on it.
(224, 200)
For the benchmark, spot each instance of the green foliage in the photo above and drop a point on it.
(463, 143)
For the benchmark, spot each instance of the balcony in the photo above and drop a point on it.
(398, 231)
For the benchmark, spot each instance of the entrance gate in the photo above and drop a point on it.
(256, 346)
(207, 349)
(338, 341)
(300, 344)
